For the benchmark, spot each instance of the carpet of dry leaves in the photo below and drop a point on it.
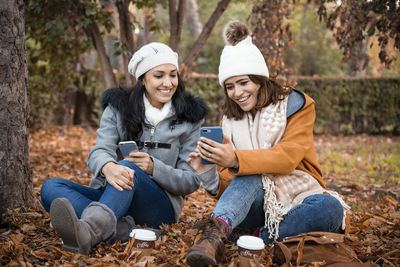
(27, 238)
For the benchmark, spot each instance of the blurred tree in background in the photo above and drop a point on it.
(78, 48)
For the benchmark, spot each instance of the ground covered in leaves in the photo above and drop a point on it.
(364, 169)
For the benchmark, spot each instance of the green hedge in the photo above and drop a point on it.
(343, 105)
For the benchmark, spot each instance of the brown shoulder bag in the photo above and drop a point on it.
(314, 249)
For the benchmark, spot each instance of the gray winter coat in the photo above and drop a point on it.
(170, 171)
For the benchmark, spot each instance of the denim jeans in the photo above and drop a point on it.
(147, 202)
(242, 203)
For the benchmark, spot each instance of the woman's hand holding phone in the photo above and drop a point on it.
(221, 154)
(120, 177)
(142, 160)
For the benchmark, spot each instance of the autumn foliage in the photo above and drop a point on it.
(27, 239)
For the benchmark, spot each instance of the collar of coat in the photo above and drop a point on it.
(195, 108)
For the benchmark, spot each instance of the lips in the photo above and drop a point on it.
(243, 100)
(165, 92)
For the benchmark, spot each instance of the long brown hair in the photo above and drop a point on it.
(270, 92)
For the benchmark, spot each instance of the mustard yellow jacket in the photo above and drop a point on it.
(294, 151)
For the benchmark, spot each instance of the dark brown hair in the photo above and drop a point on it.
(270, 93)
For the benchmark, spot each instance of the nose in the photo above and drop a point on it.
(167, 81)
(237, 91)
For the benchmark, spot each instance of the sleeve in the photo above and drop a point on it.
(105, 149)
(182, 179)
(210, 180)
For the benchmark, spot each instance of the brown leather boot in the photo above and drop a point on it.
(210, 249)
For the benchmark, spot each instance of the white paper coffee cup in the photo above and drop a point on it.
(144, 240)
(250, 245)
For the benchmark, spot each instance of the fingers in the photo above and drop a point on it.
(115, 185)
(121, 178)
(208, 141)
(138, 154)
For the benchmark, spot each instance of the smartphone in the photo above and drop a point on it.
(127, 147)
(213, 133)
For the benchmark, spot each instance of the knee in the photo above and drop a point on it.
(128, 164)
(332, 204)
(47, 191)
(133, 166)
(49, 185)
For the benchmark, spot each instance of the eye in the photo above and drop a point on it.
(173, 75)
(158, 76)
(243, 83)
(228, 87)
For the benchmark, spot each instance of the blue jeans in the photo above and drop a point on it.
(242, 203)
(147, 202)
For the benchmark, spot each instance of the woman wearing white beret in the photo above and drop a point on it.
(147, 187)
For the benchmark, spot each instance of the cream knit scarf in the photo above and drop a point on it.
(153, 114)
(282, 192)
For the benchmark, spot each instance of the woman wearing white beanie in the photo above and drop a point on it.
(147, 186)
(266, 175)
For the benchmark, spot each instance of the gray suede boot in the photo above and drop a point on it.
(125, 226)
(97, 223)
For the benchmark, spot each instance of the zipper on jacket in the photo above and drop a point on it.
(152, 132)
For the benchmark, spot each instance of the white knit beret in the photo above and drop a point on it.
(150, 56)
(241, 59)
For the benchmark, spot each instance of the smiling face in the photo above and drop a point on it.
(242, 91)
(161, 83)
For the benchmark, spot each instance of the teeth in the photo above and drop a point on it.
(165, 91)
(243, 99)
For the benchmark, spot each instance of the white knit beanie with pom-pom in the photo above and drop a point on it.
(240, 56)
(150, 56)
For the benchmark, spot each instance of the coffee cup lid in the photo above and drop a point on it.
(250, 242)
(142, 234)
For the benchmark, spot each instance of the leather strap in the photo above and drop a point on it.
(152, 145)
(285, 250)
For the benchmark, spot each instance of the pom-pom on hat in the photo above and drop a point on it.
(150, 56)
(240, 56)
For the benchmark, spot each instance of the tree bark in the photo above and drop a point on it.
(93, 32)
(192, 18)
(16, 187)
(205, 33)
(175, 22)
(126, 37)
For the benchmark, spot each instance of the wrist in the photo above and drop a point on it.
(106, 167)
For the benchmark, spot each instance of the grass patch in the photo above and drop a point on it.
(361, 160)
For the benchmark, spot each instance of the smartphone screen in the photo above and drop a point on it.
(127, 147)
(213, 133)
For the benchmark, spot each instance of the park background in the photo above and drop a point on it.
(342, 53)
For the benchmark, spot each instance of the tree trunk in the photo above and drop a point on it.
(205, 33)
(126, 38)
(192, 18)
(16, 187)
(93, 32)
(358, 61)
(175, 22)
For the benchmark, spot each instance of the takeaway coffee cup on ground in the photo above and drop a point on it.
(249, 248)
(144, 241)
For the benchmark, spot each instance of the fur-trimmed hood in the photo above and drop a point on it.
(195, 108)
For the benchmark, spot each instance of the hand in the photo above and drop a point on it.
(142, 160)
(120, 177)
(220, 154)
(194, 161)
